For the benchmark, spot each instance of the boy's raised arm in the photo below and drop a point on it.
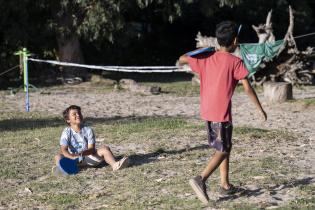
(253, 96)
(184, 58)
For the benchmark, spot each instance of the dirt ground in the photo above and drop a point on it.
(295, 117)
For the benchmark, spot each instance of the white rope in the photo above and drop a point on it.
(139, 69)
(10, 69)
(300, 36)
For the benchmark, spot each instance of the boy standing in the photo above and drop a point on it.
(78, 141)
(219, 74)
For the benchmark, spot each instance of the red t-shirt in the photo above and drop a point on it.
(219, 74)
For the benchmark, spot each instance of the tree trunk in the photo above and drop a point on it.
(277, 92)
(69, 49)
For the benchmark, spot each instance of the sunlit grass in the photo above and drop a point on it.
(309, 101)
(172, 151)
(306, 101)
(258, 133)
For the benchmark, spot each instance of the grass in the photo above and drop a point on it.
(149, 129)
(258, 133)
(309, 101)
(99, 87)
(178, 88)
(62, 199)
(306, 101)
(172, 151)
(300, 203)
(185, 88)
(182, 88)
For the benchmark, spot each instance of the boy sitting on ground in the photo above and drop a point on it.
(78, 142)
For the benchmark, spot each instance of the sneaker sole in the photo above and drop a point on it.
(124, 164)
(199, 192)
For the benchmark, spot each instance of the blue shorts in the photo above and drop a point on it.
(220, 135)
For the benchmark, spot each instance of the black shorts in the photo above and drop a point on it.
(220, 135)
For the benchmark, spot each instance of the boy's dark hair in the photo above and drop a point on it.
(65, 113)
(226, 32)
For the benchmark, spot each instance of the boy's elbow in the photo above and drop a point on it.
(249, 91)
(247, 87)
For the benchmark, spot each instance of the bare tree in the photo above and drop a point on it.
(290, 64)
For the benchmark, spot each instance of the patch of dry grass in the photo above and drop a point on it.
(165, 154)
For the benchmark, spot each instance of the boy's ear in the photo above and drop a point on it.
(235, 42)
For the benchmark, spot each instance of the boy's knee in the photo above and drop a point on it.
(104, 148)
(223, 154)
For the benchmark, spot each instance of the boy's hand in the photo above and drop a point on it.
(263, 116)
(80, 159)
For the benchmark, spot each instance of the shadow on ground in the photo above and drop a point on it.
(25, 124)
(140, 159)
(37, 123)
(153, 77)
(243, 192)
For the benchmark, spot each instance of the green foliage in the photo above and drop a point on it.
(90, 19)
(230, 3)
(135, 32)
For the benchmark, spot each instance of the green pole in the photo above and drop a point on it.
(25, 54)
(25, 70)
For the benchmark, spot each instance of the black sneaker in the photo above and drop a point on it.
(199, 187)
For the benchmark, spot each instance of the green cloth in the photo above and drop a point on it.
(254, 54)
